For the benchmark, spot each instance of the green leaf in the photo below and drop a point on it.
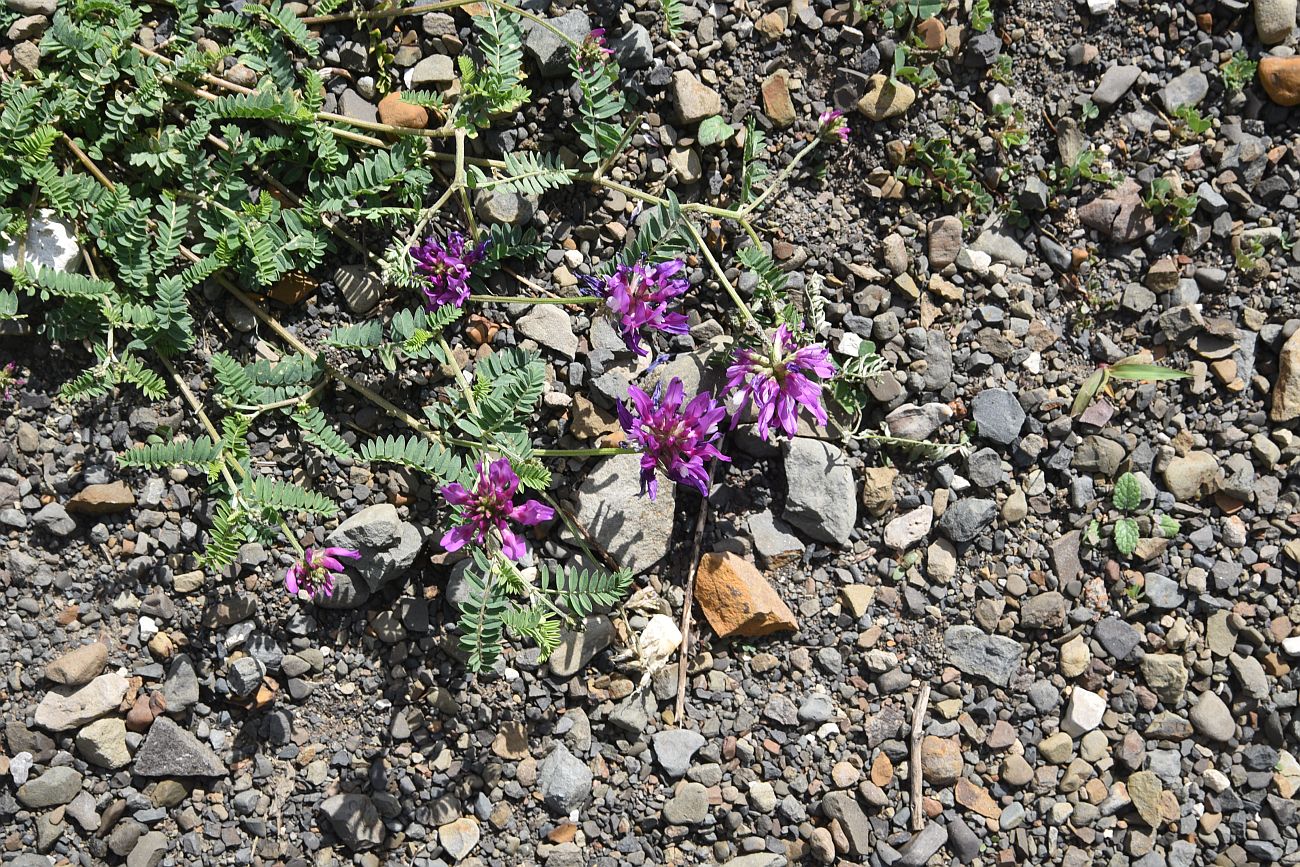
(1127, 495)
(414, 452)
(528, 173)
(1126, 535)
(581, 591)
(317, 430)
(1092, 535)
(279, 496)
(1146, 372)
(714, 130)
(1169, 527)
(184, 453)
(1088, 391)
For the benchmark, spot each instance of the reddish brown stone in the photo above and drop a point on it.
(976, 799)
(931, 31)
(140, 716)
(102, 499)
(737, 600)
(394, 112)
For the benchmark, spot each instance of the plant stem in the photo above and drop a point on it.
(528, 299)
(581, 453)
(722, 278)
(461, 379)
(780, 179)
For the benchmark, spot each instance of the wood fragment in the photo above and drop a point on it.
(914, 765)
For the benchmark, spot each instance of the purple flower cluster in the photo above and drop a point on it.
(314, 573)
(488, 510)
(673, 438)
(833, 125)
(777, 383)
(10, 381)
(593, 50)
(447, 268)
(639, 294)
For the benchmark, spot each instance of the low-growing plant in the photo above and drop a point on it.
(1131, 369)
(1190, 124)
(935, 165)
(1065, 178)
(1238, 72)
(1249, 256)
(1165, 200)
(902, 70)
(1001, 70)
(981, 15)
(1125, 531)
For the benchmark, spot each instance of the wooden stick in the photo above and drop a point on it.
(914, 772)
(683, 653)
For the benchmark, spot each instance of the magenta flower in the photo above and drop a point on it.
(490, 508)
(592, 51)
(315, 571)
(778, 383)
(677, 440)
(833, 125)
(447, 268)
(639, 294)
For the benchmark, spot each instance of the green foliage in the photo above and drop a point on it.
(157, 454)
(603, 102)
(415, 453)
(753, 169)
(1165, 200)
(714, 130)
(849, 387)
(903, 70)
(528, 173)
(1238, 72)
(674, 16)
(769, 300)
(981, 15)
(660, 235)
(500, 598)
(1127, 535)
(274, 495)
(1190, 123)
(317, 430)
(495, 87)
(948, 174)
(1127, 495)
(1084, 168)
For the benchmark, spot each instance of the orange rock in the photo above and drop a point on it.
(976, 799)
(882, 771)
(931, 30)
(737, 600)
(102, 499)
(140, 717)
(292, 288)
(1281, 79)
(394, 112)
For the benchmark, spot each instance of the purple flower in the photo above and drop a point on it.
(447, 268)
(315, 571)
(639, 294)
(832, 124)
(489, 508)
(10, 380)
(778, 382)
(677, 440)
(592, 51)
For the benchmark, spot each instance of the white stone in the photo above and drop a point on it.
(906, 530)
(1084, 712)
(849, 345)
(1100, 7)
(51, 242)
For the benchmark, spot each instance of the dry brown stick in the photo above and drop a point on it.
(683, 654)
(914, 771)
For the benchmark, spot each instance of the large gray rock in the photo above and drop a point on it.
(1273, 20)
(54, 519)
(820, 496)
(388, 547)
(181, 688)
(845, 809)
(674, 750)
(965, 519)
(63, 710)
(565, 781)
(546, 48)
(1185, 90)
(918, 851)
(551, 327)
(629, 525)
(355, 820)
(992, 657)
(998, 415)
(1114, 83)
(52, 788)
(695, 101)
(577, 647)
(1212, 718)
(103, 743)
(170, 751)
(148, 850)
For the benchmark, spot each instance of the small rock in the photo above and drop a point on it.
(62, 711)
(79, 666)
(1286, 391)
(103, 743)
(632, 527)
(964, 520)
(148, 851)
(674, 750)
(738, 600)
(941, 760)
(565, 781)
(50, 242)
(689, 806)
(1114, 83)
(917, 422)
(170, 751)
(578, 647)
(1187, 89)
(1119, 214)
(102, 499)
(355, 820)
(361, 289)
(1211, 718)
(998, 415)
(992, 657)
(58, 785)
(821, 498)
(777, 104)
(1273, 21)
(694, 101)
(550, 52)
(1083, 713)
(1193, 476)
(906, 530)
(883, 99)
(550, 326)
(53, 518)
(944, 241)
(459, 838)
(394, 112)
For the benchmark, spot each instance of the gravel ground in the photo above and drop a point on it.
(1085, 707)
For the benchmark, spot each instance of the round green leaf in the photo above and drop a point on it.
(1126, 535)
(1128, 493)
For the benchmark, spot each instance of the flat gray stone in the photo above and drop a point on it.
(821, 498)
(355, 820)
(1114, 84)
(65, 709)
(992, 657)
(550, 326)
(998, 415)
(547, 49)
(170, 751)
(674, 750)
(578, 647)
(630, 526)
(56, 786)
(565, 781)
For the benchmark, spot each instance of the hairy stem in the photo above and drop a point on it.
(528, 299)
(722, 277)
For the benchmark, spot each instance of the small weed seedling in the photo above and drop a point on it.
(1131, 369)
(1238, 72)
(1165, 201)
(1127, 499)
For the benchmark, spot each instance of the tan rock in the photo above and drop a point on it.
(884, 99)
(1286, 391)
(932, 33)
(394, 112)
(79, 666)
(777, 103)
(941, 760)
(102, 499)
(882, 770)
(60, 711)
(737, 600)
(1144, 789)
(878, 489)
(511, 741)
(976, 799)
(773, 24)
